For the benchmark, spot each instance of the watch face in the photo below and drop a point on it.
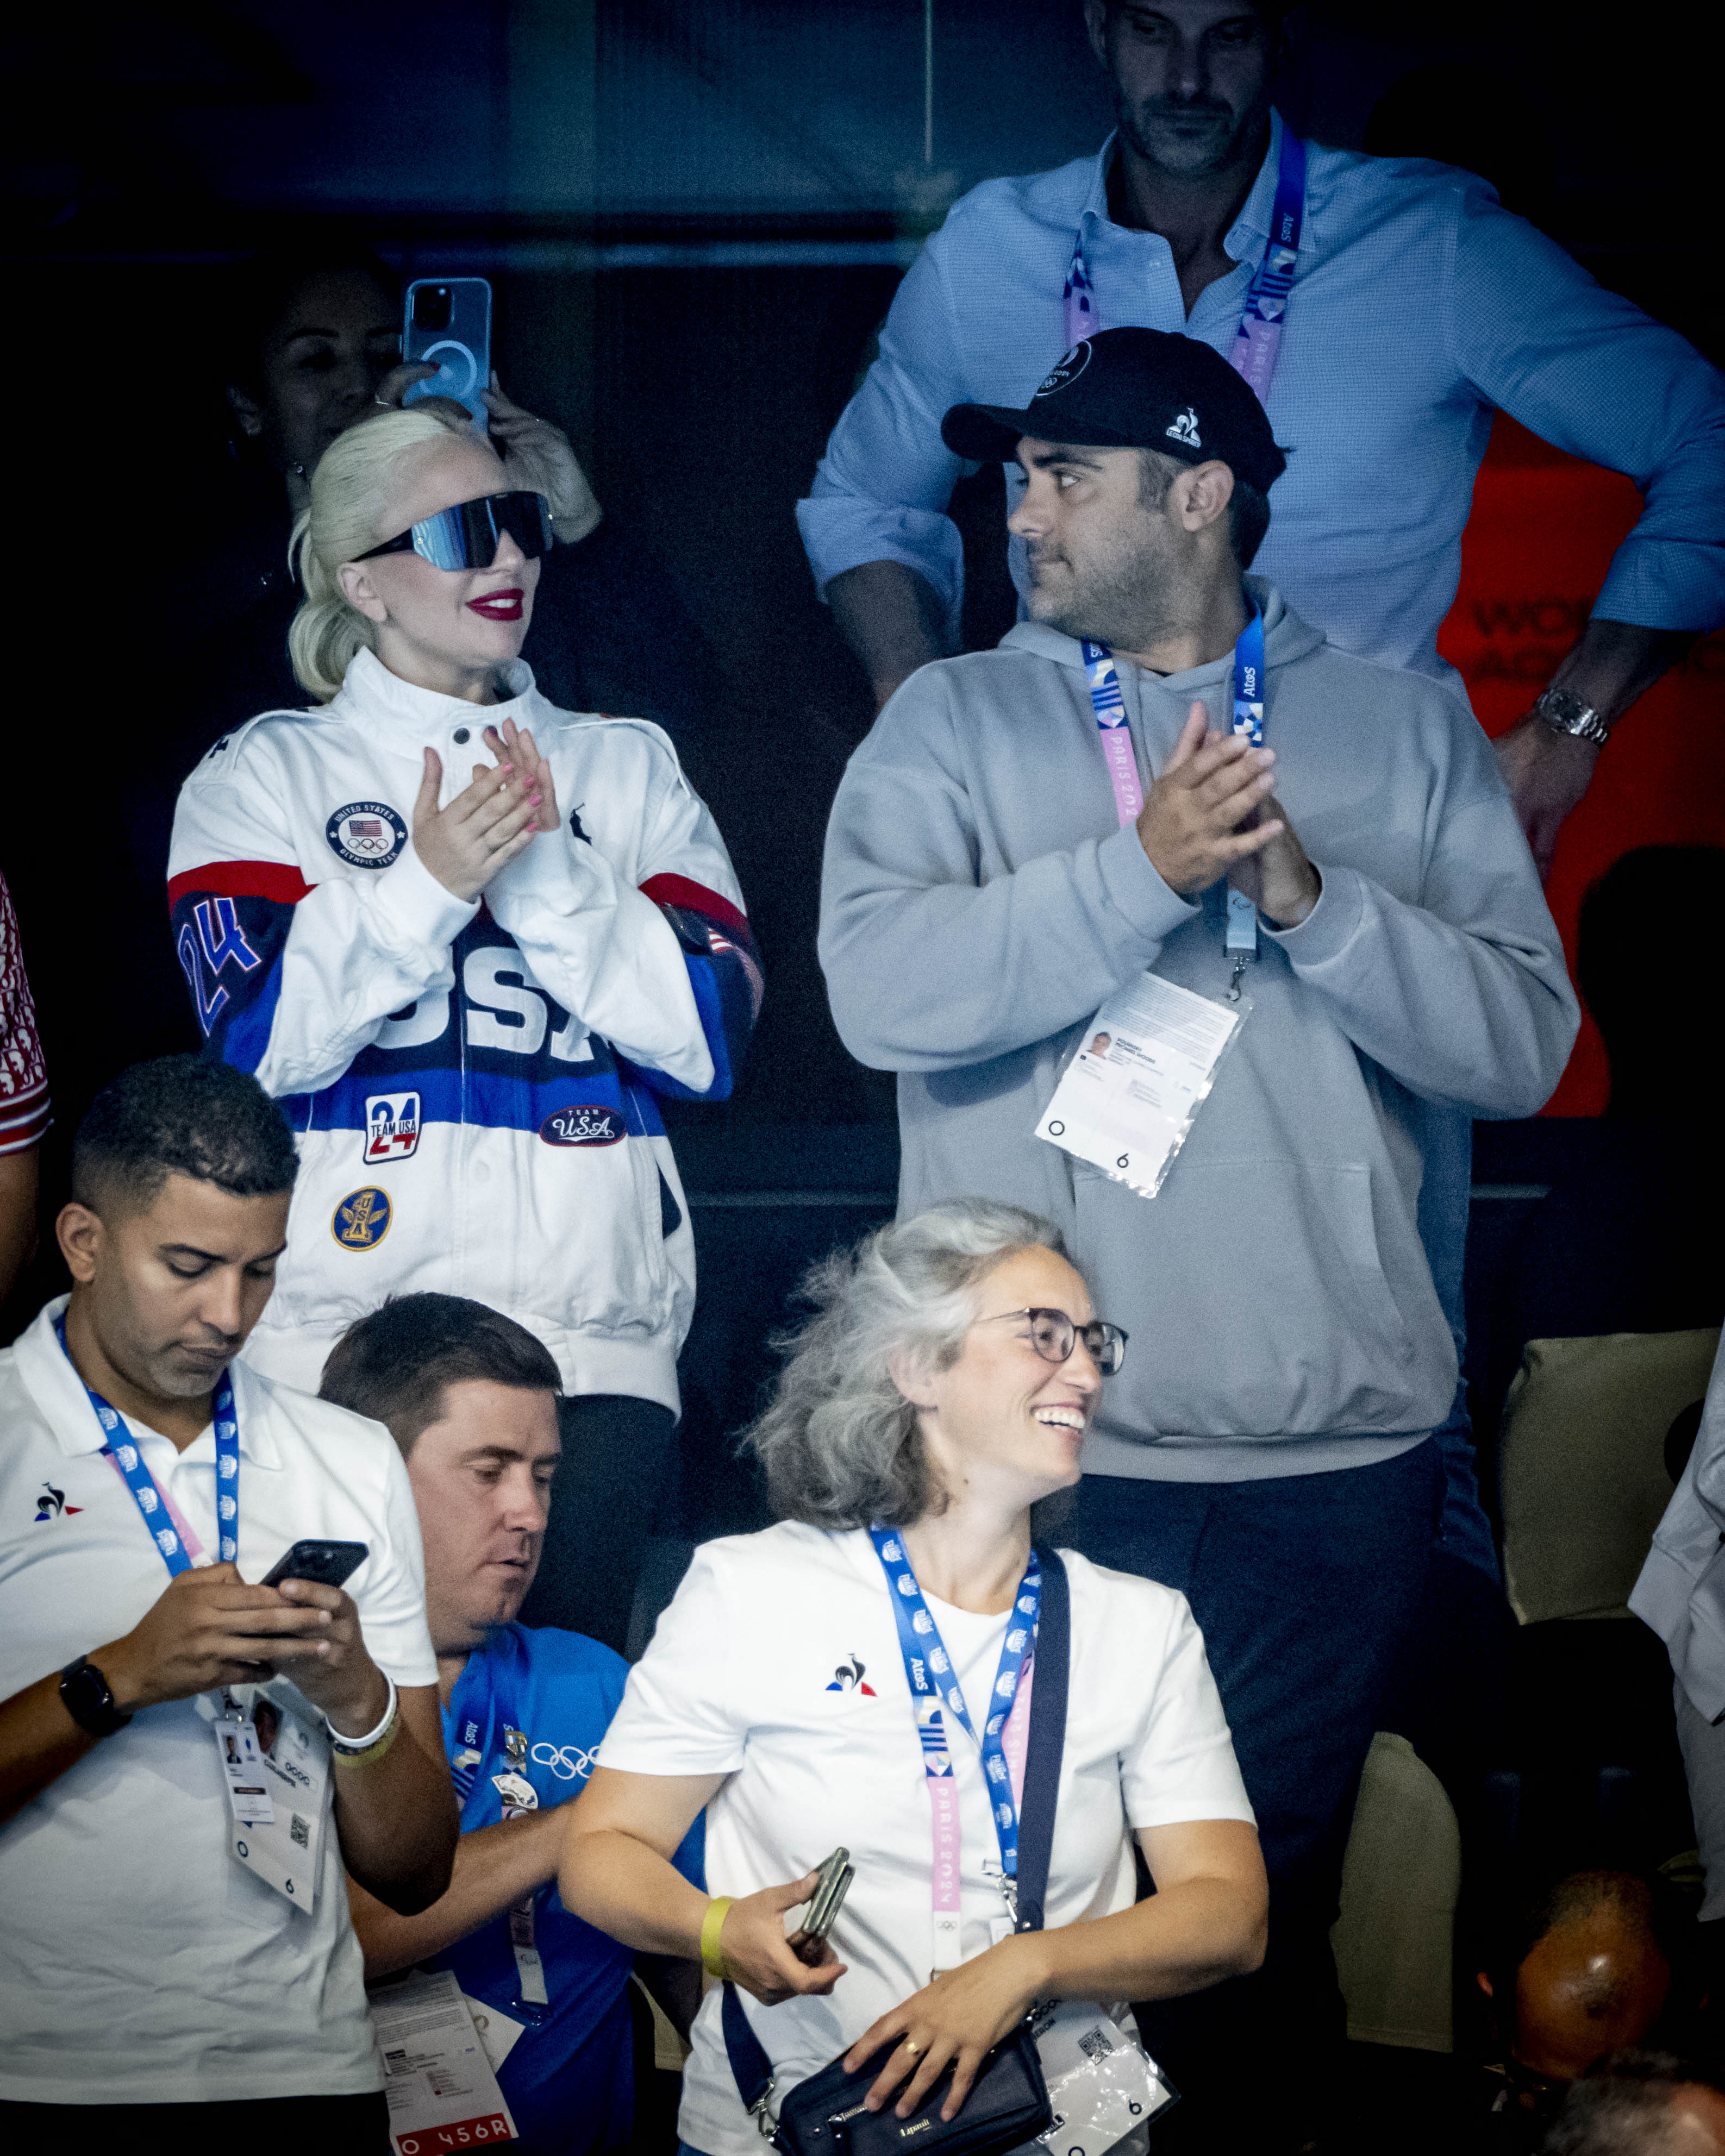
(88, 1702)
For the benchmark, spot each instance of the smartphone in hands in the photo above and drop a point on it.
(324, 1564)
(824, 1904)
(448, 322)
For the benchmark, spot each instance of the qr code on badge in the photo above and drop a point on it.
(300, 1832)
(1094, 2045)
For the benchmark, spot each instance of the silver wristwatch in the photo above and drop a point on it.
(1565, 713)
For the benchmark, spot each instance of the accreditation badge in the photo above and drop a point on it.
(276, 1767)
(1145, 1066)
(1103, 2086)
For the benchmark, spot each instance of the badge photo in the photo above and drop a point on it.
(392, 1127)
(366, 835)
(582, 1127)
(362, 1218)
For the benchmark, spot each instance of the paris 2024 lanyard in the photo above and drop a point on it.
(150, 1503)
(936, 1692)
(1240, 936)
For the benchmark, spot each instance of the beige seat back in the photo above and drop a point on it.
(1581, 1464)
(1395, 1939)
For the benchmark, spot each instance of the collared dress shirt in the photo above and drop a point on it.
(1418, 306)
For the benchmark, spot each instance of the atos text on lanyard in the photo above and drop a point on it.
(936, 1693)
(151, 1502)
(1240, 940)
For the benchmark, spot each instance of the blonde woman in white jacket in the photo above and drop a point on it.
(469, 940)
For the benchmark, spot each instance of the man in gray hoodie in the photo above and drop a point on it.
(995, 871)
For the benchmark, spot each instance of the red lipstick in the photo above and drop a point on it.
(500, 606)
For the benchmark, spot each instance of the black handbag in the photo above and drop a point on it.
(1008, 2103)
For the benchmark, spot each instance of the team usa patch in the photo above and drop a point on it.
(582, 1127)
(362, 1218)
(392, 1127)
(366, 835)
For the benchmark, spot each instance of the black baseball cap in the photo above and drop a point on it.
(1132, 389)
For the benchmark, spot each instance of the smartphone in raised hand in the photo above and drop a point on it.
(447, 323)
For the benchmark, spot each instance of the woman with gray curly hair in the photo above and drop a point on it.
(939, 1393)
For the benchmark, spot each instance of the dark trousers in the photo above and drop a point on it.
(324, 2125)
(617, 1457)
(1305, 1587)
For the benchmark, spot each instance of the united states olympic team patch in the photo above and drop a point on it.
(366, 835)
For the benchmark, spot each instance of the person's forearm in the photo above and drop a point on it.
(397, 1816)
(891, 618)
(1182, 1939)
(1614, 662)
(494, 1867)
(621, 1887)
(38, 1742)
(1549, 771)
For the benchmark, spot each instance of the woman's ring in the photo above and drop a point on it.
(912, 2050)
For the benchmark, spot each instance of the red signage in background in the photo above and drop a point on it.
(1541, 537)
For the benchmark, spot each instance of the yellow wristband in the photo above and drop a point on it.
(712, 1958)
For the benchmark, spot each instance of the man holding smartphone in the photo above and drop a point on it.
(172, 1858)
(471, 1397)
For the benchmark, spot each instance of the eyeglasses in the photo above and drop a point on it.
(465, 536)
(1054, 1336)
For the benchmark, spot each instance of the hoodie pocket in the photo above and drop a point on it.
(1256, 1299)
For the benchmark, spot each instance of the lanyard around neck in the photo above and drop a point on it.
(1241, 938)
(1109, 704)
(1258, 339)
(151, 1502)
(936, 1692)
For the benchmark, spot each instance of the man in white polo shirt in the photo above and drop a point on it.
(189, 1757)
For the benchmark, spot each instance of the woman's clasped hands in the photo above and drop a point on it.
(495, 819)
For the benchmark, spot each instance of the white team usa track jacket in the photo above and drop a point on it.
(475, 1085)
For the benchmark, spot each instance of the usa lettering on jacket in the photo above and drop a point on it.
(475, 1086)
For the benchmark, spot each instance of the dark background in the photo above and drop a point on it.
(694, 213)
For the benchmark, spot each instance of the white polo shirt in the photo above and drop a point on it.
(140, 1962)
(778, 1665)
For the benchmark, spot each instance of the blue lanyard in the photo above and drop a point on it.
(1240, 940)
(141, 1482)
(1258, 339)
(926, 1660)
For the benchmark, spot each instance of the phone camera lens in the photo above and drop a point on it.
(432, 307)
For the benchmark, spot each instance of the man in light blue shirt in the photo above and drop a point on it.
(1417, 306)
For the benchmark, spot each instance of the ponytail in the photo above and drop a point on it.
(350, 496)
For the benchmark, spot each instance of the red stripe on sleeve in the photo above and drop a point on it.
(277, 880)
(682, 891)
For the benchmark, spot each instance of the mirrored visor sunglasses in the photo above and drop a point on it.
(466, 535)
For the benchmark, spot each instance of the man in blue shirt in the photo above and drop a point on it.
(1417, 306)
(470, 1397)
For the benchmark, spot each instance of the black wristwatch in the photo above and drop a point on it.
(85, 1691)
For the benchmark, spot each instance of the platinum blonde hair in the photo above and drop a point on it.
(839, 1441)
(351, 489)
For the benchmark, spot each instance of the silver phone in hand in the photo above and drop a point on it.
(824, 1903)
